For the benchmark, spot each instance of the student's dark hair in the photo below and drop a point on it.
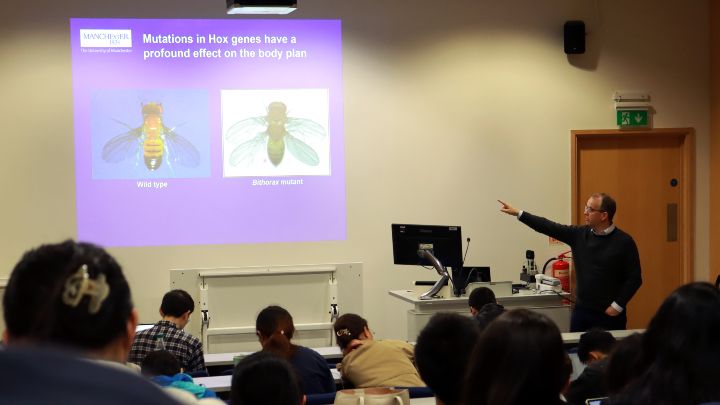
(348, 327)
(264, 378)
(160, 362)
(594, 340)
(442, 353)
(623, 363)
(607, 204)
(519, 359)
(47, 299)
(176, 303)
(680, 356)
(488, 313)
(275, 324)
(481, 296)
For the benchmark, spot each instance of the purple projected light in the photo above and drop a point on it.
(208, 131)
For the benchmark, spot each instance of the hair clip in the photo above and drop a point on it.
(343, 332)
(79, 284)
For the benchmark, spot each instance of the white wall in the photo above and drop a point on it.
(448, 106)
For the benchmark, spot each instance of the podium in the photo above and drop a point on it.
(418, 316)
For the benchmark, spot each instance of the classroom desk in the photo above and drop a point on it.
(334, 353)
(226, 359)
(573, 338)
(221, 383)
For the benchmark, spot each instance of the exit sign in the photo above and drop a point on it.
(632, 118)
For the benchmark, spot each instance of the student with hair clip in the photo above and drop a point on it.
(72, 295)
(519, 359)
(680, 355)
(275, 329)
(64, 301)
(373, 363)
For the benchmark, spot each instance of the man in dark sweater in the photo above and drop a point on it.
(607, 264)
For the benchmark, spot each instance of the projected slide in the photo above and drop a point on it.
(208, 131)
(259, 129)
(148, 139)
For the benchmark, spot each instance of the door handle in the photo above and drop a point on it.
(672, 224)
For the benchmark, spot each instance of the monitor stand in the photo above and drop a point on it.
(435, 288)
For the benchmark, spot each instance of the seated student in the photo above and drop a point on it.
(72, 297)
(175, 310)
(680, 351)
(265, 378)
(519, 359)
(275, 329)
(164, 369)
(373, 363)
(442, 353)
(483, 306)
(593, 348)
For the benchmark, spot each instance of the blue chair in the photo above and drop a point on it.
(419, 392)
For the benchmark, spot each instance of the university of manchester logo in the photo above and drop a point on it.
(105, 38)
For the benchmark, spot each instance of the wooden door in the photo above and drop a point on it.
(650, 174)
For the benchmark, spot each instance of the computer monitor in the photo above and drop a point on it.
(444, 242)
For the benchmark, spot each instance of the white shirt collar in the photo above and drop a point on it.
(605, 231)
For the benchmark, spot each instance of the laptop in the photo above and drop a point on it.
(143, 326)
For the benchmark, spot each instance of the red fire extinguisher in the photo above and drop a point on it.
(560, 269)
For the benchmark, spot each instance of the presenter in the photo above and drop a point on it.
(607, 264)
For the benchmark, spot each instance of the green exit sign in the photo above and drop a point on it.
(632, 118)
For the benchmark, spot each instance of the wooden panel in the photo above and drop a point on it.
(644, 172)
(714, 137)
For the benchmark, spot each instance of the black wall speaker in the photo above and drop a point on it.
(574, 35)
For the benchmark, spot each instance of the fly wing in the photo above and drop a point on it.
(302, 151)
(305, 129)
(181, 150)
(247, 150)
(122, 146)
(246, 129)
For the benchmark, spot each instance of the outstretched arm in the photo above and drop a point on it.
(563, 233)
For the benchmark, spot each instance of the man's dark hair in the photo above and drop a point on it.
(160, 362)
(442, 353)
(176, 303)
(264, 378)
(481, 296)
(594, 340)
(607, 204)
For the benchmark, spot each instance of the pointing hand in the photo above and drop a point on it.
(508, 209)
